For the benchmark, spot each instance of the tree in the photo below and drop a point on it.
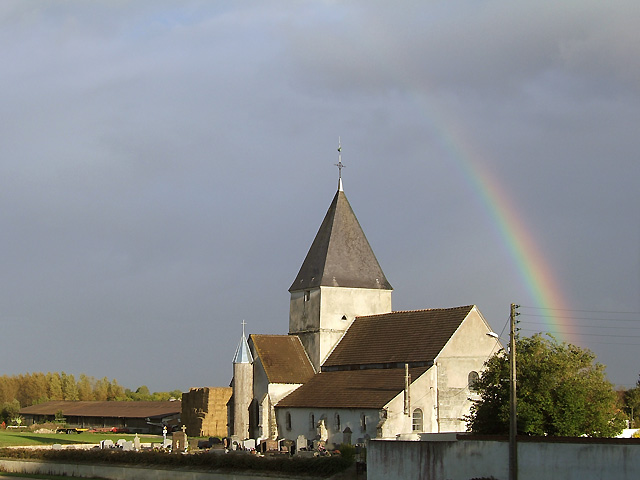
(69, 387)
(55, 386)
(632, 403)
(115, 391)
(85, 389)
(561, 391)
(10, 412)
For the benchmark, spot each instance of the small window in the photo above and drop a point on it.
(472, 380)
(307, 295)
(288, 421)
(416, 422)
(337, 422)
(363, 422)
(312, 422)
(344, 318)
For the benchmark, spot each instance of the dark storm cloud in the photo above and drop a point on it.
(165, 165)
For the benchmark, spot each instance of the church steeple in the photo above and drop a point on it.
(340, 255)
(340, 279)
(243, 353)
(242, 389)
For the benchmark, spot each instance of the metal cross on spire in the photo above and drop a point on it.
(340, 165)
(243, 324)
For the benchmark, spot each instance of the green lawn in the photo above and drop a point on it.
(15, 439)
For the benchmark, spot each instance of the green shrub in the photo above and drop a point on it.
(232, 462)
(347, 451)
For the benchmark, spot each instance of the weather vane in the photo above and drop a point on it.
(340, 165)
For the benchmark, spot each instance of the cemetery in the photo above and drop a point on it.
(175, 457)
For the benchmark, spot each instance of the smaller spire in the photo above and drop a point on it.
(243, 353)
(340, 165)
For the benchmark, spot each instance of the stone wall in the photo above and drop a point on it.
(204, 411)
(462, 457)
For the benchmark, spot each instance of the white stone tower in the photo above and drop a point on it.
(242, 388)
(340, 279)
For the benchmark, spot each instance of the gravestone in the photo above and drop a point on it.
(179, 443)
(268, 446)
(301, 443)
(127, 446)
(250, 444)
(136, 442)
(106, 444)
(286, 445)
(346, 436)
(57, 446)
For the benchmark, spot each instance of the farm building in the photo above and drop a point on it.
(135, 417)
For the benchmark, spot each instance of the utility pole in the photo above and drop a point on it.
(513, 416)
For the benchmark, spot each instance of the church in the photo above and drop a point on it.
(351, 368)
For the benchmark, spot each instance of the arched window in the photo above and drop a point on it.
(363, 422)
(416, 421)
(288, 421)
(337, 422)
(472, 380)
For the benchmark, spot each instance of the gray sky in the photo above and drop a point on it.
(165, 165)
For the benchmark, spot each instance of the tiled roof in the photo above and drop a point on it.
(350, 389)
(397, 337)
(340, 254)
(105, 409)
(283, 358)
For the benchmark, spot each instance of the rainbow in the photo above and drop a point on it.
(534, 271)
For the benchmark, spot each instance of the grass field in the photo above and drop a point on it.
(21, 439)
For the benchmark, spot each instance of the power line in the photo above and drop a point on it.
(583, 311)
(587, 334)
(585, 318)
(608, 327)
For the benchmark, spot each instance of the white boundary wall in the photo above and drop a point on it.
(461, 457)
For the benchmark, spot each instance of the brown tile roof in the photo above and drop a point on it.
(350, 389)
(105, 409)
(397, 337)
(340, 255)
(283, 358)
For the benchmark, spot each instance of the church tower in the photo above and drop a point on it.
(242, 388)
(340, 279)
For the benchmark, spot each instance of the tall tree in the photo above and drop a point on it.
(55, 386)
(115, 391)
(69, 387)
(632, 403)
(85, 389)
(101, 389)
(561, 391)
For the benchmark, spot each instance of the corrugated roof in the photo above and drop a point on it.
(340, 254)
(105, 409)
(350, 389)
(397, 337)
(283, 358)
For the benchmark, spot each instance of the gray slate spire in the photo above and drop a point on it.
(340, 255)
